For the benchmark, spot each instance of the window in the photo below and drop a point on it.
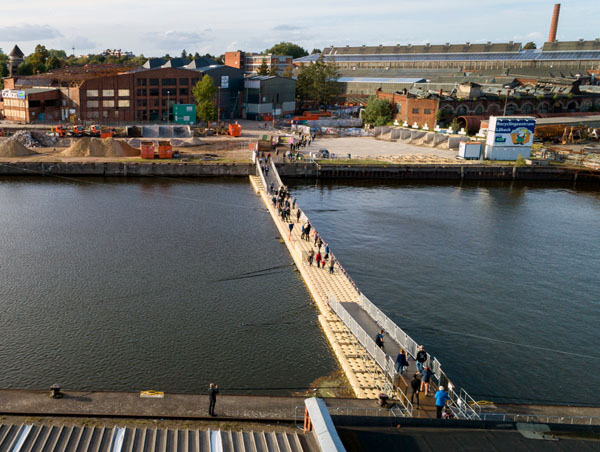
(108, 93)
(169, 82)
(153, 115)
(154, 91)
(184, 81)
(142, 115)
(91, 93)
(183, 91)
(92, 114)
(154, 82)
(399, 108)
(92, 104)
(108, 103)
(34, 103)
(427, 111)
(415, 111)
(123, 103)
(123, 93)
(141, 102)
(141, 92)
(141, 82)
(155, 102)
(105, 114)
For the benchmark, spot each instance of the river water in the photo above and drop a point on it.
(169, 284)
(150, 284)
(500, 281)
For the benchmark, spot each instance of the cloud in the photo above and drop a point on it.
(28, 32)
(288, 27)
(176, 40)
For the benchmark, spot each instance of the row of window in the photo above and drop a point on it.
(142, 92)
(107, 93)
(165, 81)
(156, 103)
(107, 103)
(94, 114)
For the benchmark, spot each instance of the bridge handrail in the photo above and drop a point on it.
(259, 171)
(276, 174)
(548, 419)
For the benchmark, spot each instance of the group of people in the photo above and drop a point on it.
(422, 378)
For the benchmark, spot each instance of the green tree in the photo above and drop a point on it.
(313, 51)
(53, 62)
(273, 70)
(288, 71)
(263, 69)
(38, 58)
(287, 48)
(204, 93)
(378, 111)
(529, 46)
(184, 54)
(25, 68)
(3, 64)
(317, 82)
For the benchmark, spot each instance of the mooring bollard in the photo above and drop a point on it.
(56, 394)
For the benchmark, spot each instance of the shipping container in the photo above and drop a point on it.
(165, 150)
(235, 130)
(147, 149)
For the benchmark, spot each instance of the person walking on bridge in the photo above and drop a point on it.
(331, 265)
(421, 359)
(298, 213)
(318, 259)
(213, 390)
(379, 339)
(401, 362)
(291, 226)
(426, 380)
(415, 386)
(441, 397)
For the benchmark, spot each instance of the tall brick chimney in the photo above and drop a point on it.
(554, 24)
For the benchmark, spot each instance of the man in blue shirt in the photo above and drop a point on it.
(441, 397)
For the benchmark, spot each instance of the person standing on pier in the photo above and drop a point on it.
(316, 238)
(441, 397)
(213, 390)
(415, 385)
(311, 256)
(298, 213)
(421, 359)
(331, 265)
(318, 259)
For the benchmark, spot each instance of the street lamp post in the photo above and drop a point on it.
(506, 102)
(168, 107)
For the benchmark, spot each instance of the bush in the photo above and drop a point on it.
(520, 161)
(378, 111)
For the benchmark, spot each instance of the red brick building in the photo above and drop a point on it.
(412, 109)
(117, 94)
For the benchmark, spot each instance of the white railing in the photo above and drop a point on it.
(464, 403)
(376, 353)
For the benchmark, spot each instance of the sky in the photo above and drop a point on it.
(154, 28)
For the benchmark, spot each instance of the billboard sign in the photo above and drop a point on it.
(224, 81)
(13, 94)
(510, 131)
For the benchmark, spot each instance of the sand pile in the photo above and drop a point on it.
(96, 147)
(12, 148)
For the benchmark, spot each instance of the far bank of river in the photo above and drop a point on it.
(347, 170)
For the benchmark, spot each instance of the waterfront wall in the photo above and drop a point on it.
(438, 172)
(304, 170)
(126, 169)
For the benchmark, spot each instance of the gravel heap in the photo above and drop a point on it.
(34, 139)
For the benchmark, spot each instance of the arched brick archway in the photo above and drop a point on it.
(527, 108)
(543, 107)
(462, 110)
(493, 109)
